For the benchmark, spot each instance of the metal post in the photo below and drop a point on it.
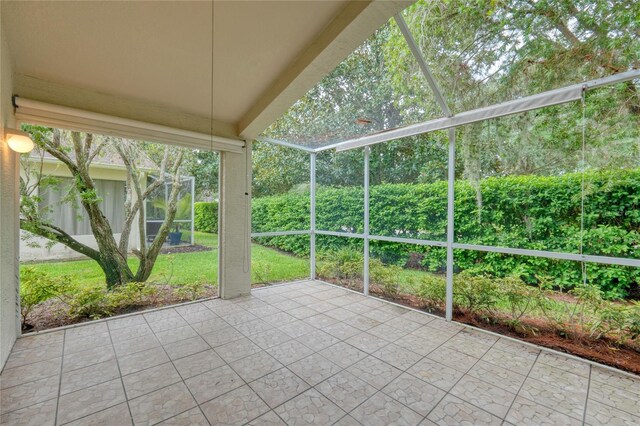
(312, 218)
(367, 151)
(451, 178)
(144, 213)
(193, 215)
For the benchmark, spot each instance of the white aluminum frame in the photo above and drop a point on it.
(365, 273)
(193, 209)
(312, 212)
(528, 103)
(451, 121)
(192, 221)
(451, 192)
(279, 233)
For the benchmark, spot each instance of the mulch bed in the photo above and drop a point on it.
(54, 313)
(535, 331)
(184, 249)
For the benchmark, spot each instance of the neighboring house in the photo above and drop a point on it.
(109, 175)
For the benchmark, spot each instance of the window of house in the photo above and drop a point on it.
(64, 210)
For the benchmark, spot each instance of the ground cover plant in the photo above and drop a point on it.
(59, 293)
(577, 320)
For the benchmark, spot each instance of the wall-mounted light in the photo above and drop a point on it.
(18, 140)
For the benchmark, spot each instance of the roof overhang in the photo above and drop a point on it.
(230, 70)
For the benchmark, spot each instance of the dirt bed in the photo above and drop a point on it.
(533, 331)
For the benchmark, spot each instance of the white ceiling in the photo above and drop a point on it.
(160, 53)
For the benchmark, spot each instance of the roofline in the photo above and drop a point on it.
(357, 21)
(49, 160)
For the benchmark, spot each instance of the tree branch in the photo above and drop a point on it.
(52, 232)
(96, 151)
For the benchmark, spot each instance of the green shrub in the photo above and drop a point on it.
(476, 293)
(619, 321)
(205, 217)
(97, 302)
(37, 287)
(130, 294)
(530, 212)
(386, 276)
(343, 264)
(571, 316)
(89, 302)
(432, 289)
(519, 297)
(191, 291)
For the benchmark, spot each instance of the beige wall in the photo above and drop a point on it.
(9, 225)
(235, 224)
(97, 171)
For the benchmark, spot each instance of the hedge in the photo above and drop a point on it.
(205, 217)
(531, 212)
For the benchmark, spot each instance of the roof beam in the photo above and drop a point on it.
(288, 144)
(415, 50)
(357, 21)
(516, 106)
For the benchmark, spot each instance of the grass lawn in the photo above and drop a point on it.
(268, 265)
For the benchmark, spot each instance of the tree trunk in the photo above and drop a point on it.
(114, 271)
(148, 257)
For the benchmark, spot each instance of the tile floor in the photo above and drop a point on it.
(301, 353)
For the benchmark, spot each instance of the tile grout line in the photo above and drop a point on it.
(458, 381)
(348, 413)
(180, 413)
(522, 385)
(112, 318)
(545, 384)
(573, 416)
(361, 331)
(314, 352)
(586, 400)
(182, 380)
(406, 371)
(509, 338)
(126, 399)
(284, 366)
(608, 405)
(34, 380)
(64, 341)
(403, 371)
(241, 378)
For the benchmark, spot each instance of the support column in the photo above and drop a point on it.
(367, 152)
(234, 227)
(451, 180)
(312, 218)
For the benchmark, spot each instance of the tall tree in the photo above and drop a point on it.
(77, 151)
(481, 52)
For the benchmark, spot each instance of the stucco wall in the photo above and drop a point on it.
(36, 248)
(234, 255)
(9, 225)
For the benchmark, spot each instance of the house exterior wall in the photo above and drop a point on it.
(36, 248)
(9, 220)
